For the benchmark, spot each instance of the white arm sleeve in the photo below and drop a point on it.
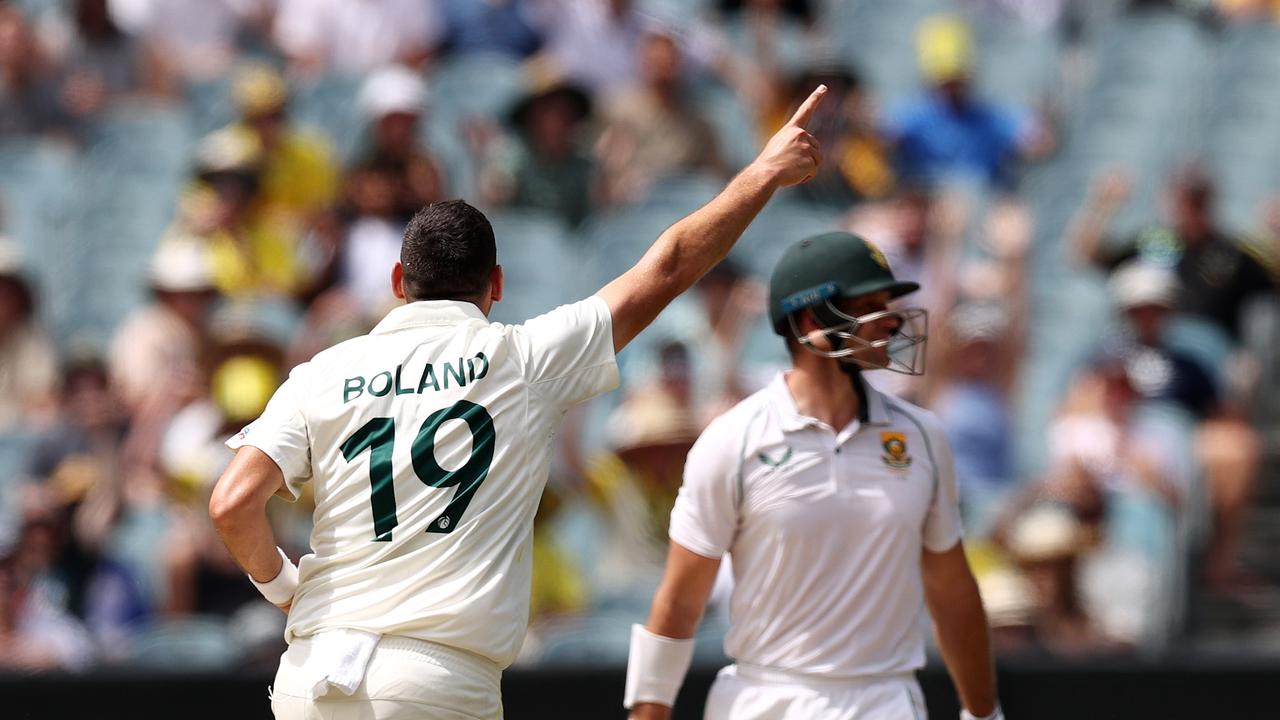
(281, 432)
(705, 516)
(567, 354)
(942, 528)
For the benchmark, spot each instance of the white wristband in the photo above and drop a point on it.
(656, 667)
(279, 589)
(996, 714)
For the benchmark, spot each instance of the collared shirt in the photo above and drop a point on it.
(825, 529)
(428, 443)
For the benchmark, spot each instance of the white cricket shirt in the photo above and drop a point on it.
(824, 530)
(428, 442)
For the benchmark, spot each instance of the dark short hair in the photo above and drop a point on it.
(448, 252)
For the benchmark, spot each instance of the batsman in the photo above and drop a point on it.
(836, 504)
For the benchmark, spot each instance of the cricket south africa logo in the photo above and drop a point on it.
(895, 450)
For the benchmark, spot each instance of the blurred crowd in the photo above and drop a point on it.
(282, 235)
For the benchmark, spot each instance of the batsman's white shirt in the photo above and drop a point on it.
(824, 530)
(427, 442)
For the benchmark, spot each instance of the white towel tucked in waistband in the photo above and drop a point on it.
(338, 659)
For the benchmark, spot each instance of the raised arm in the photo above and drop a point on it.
(691, 247)
(1088, 228)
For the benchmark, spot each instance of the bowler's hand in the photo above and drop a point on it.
(791, 156)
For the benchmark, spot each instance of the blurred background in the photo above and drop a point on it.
(196, 196)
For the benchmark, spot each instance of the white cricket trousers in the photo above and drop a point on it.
(405, 679)
(751, 693)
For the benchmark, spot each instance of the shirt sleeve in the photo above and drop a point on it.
(705, 516)
(281, 433)
(567, 354)
(942, 529)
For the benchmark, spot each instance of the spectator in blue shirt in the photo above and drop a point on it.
(948, 132)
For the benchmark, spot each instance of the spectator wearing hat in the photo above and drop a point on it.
(634, 484)
(947, 131)
(28, 360)
(1146, 295)
(299, 177)
(1226, 445)
(394, 102)
(156, 352)
(1047, 541)
(246, 356)
(548, 165)
(251, 250)
(394, 177)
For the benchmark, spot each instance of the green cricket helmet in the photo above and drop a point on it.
(816, 272)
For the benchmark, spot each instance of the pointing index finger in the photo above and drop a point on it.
(802, 116)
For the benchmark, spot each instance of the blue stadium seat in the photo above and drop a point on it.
(328, 105)
(480, 84)
(535, 252)
(143, 138)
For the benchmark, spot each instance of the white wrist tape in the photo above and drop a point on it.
(279, 589)
(656, 667)
(996, 714)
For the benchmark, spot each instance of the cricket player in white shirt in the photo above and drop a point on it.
(427, 443)
(837, 505)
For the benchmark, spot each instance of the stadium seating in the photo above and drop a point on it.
(535, 253)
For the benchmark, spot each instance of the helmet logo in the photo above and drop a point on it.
(877, 255)
(805, 298)
(895, 450)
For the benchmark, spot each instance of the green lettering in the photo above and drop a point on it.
(401, 390)
(428, 378)
(385, 388)
(449, 369)
(471, 367)
(353, 385)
